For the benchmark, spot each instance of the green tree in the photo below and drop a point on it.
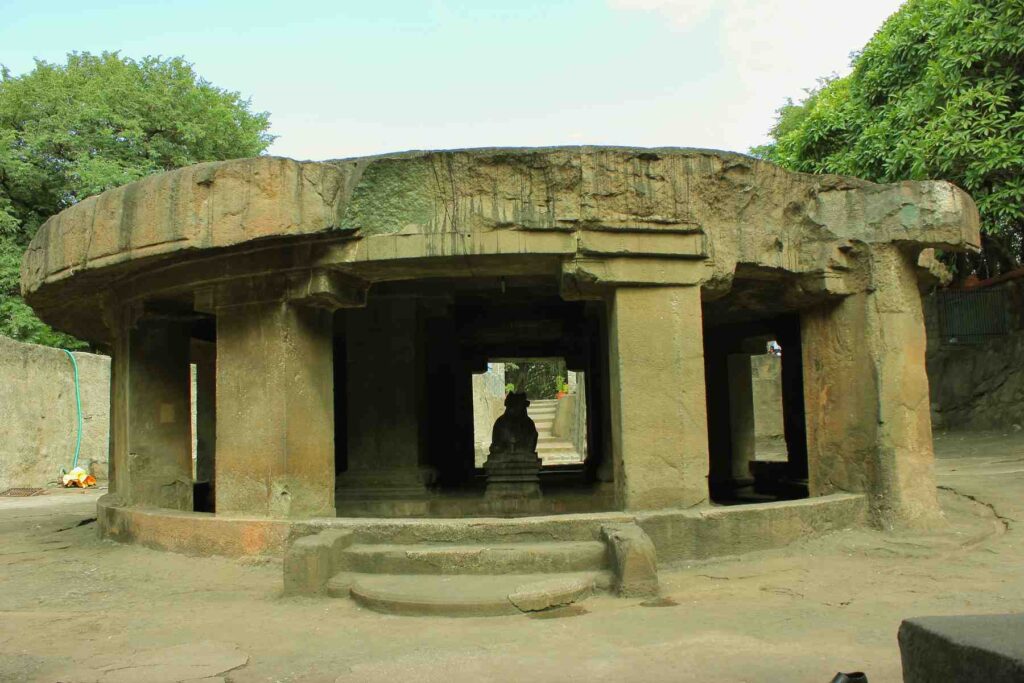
(538, 379)
(938, 92)
(72, 130)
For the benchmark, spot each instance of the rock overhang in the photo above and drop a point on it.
(633, 215)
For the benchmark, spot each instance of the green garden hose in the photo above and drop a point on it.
(78, 403)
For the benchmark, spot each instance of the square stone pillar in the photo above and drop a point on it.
(275, 410)
(151, 430)
(659, 411)
(866, 392)
(741, 417)
(386, 376)
(275, 390)
(204, 357)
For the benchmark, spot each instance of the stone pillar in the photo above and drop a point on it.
(275, 410)
(447, 418)
(716, 379)
(600, 463)
(204, 358)
(741, 417)
(384, 387)
(868, 422)
(463, 450)
(794, 413)
(151, 435)
(659, 412)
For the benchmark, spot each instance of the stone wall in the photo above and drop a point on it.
(38, 418)
(978, 385)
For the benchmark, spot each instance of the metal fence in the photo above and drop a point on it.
(972, 315)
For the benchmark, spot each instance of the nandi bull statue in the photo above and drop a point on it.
(512, 464)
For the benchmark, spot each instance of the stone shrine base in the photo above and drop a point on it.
(678, 535)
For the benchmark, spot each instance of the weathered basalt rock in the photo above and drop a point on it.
(967, 649)
(634, 560)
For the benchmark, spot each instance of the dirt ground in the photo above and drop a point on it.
(73, 608)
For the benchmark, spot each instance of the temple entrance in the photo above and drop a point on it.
(757, 439)
(421, 376)
(557, 407)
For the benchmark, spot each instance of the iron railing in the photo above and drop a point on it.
(969, 316)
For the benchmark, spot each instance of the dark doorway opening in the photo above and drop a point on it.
(464, 328)
(757, 438)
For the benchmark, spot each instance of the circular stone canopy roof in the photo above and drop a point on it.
(587, 215)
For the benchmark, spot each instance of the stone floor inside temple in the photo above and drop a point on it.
(74, 608)
(564, 489)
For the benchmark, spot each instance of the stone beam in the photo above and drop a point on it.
(595, 277)
(923, 214)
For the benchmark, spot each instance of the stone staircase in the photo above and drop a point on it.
(442, 569)
(551, 449)
(485, 579)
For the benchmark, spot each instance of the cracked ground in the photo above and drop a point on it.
(73, 608)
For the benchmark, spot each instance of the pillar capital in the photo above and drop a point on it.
(317, 288)
(595, 277)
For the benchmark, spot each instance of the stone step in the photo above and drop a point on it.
(467, 596)
(456, 531)
(498, 558)
(555, 445)
(557, 453)
(561, 459)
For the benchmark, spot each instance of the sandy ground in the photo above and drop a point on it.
(73, 607)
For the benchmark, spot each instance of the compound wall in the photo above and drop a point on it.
(38, 418)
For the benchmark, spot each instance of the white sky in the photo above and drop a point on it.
(352, 77)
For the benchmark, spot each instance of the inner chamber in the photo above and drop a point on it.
(411, 440)
(420, 374)
(753, 360)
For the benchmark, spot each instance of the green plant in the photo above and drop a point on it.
(72, 130)
(938, 92)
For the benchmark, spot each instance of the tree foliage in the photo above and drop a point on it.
(72, 130)
(938, 92)
(538, 379)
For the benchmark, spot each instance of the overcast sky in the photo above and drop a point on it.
(345, 78)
